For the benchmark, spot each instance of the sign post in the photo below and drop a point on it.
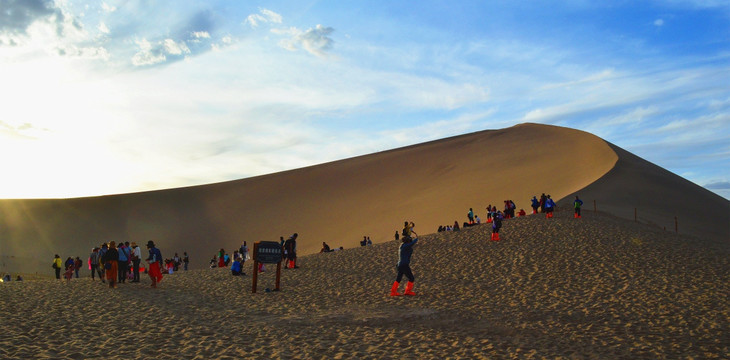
(266, 252)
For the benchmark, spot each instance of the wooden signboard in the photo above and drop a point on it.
(266, 252)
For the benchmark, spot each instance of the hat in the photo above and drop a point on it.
(150, 243)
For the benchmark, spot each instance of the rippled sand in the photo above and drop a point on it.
(597, 287)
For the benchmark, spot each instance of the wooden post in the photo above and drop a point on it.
(255, 267)
(676, 225)
(594, 206)
(636, 219)
(278, 274)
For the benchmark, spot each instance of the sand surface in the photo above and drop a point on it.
(597, 287)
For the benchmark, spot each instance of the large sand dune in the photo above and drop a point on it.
(432, 184)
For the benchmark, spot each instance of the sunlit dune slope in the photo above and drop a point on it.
(432, 184)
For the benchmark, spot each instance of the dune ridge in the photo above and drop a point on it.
(596, 287)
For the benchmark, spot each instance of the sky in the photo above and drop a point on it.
(108, 97)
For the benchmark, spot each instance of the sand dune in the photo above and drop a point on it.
(432, 184)
(598, 287)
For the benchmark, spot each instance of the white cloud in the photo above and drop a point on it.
(103, 28)
(315, 41)
(108, 8)
(175, 48)
(658, 22)
(265, 16)
(146, 54)
(200, 35)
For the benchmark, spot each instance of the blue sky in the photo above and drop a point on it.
(104, 97)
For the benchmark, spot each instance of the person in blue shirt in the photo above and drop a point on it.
(404, 261)
(577, 204)
(535, 204)
(236, 267)
(496, 225)
(549, 207)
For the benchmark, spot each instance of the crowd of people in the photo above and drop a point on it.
(544, 204)
(116, 264)
(236, 262)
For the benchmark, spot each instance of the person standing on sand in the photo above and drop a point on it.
(496, 225)
(136, 258)
(122, 263)
(77, 266)
(57, 265)
(543, 200)
(549, 206)
(186, 260)
(290, 245)
(155, 263)
(470, 215)
(535, 204)
(221, 258)
(95, 259)
(577, 204)
(111, 266)
(404, 261)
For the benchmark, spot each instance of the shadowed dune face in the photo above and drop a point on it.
(431, 184)
(636, 188)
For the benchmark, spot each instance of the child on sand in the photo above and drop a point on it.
(404, 254)
(69, 273)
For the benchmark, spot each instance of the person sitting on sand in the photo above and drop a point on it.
(6, 278)
(325, 248)
(477, 219)
(456, 226)
(236, 267)
(404, 260)
(19, 278)
(155, 263)
(522, 212)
